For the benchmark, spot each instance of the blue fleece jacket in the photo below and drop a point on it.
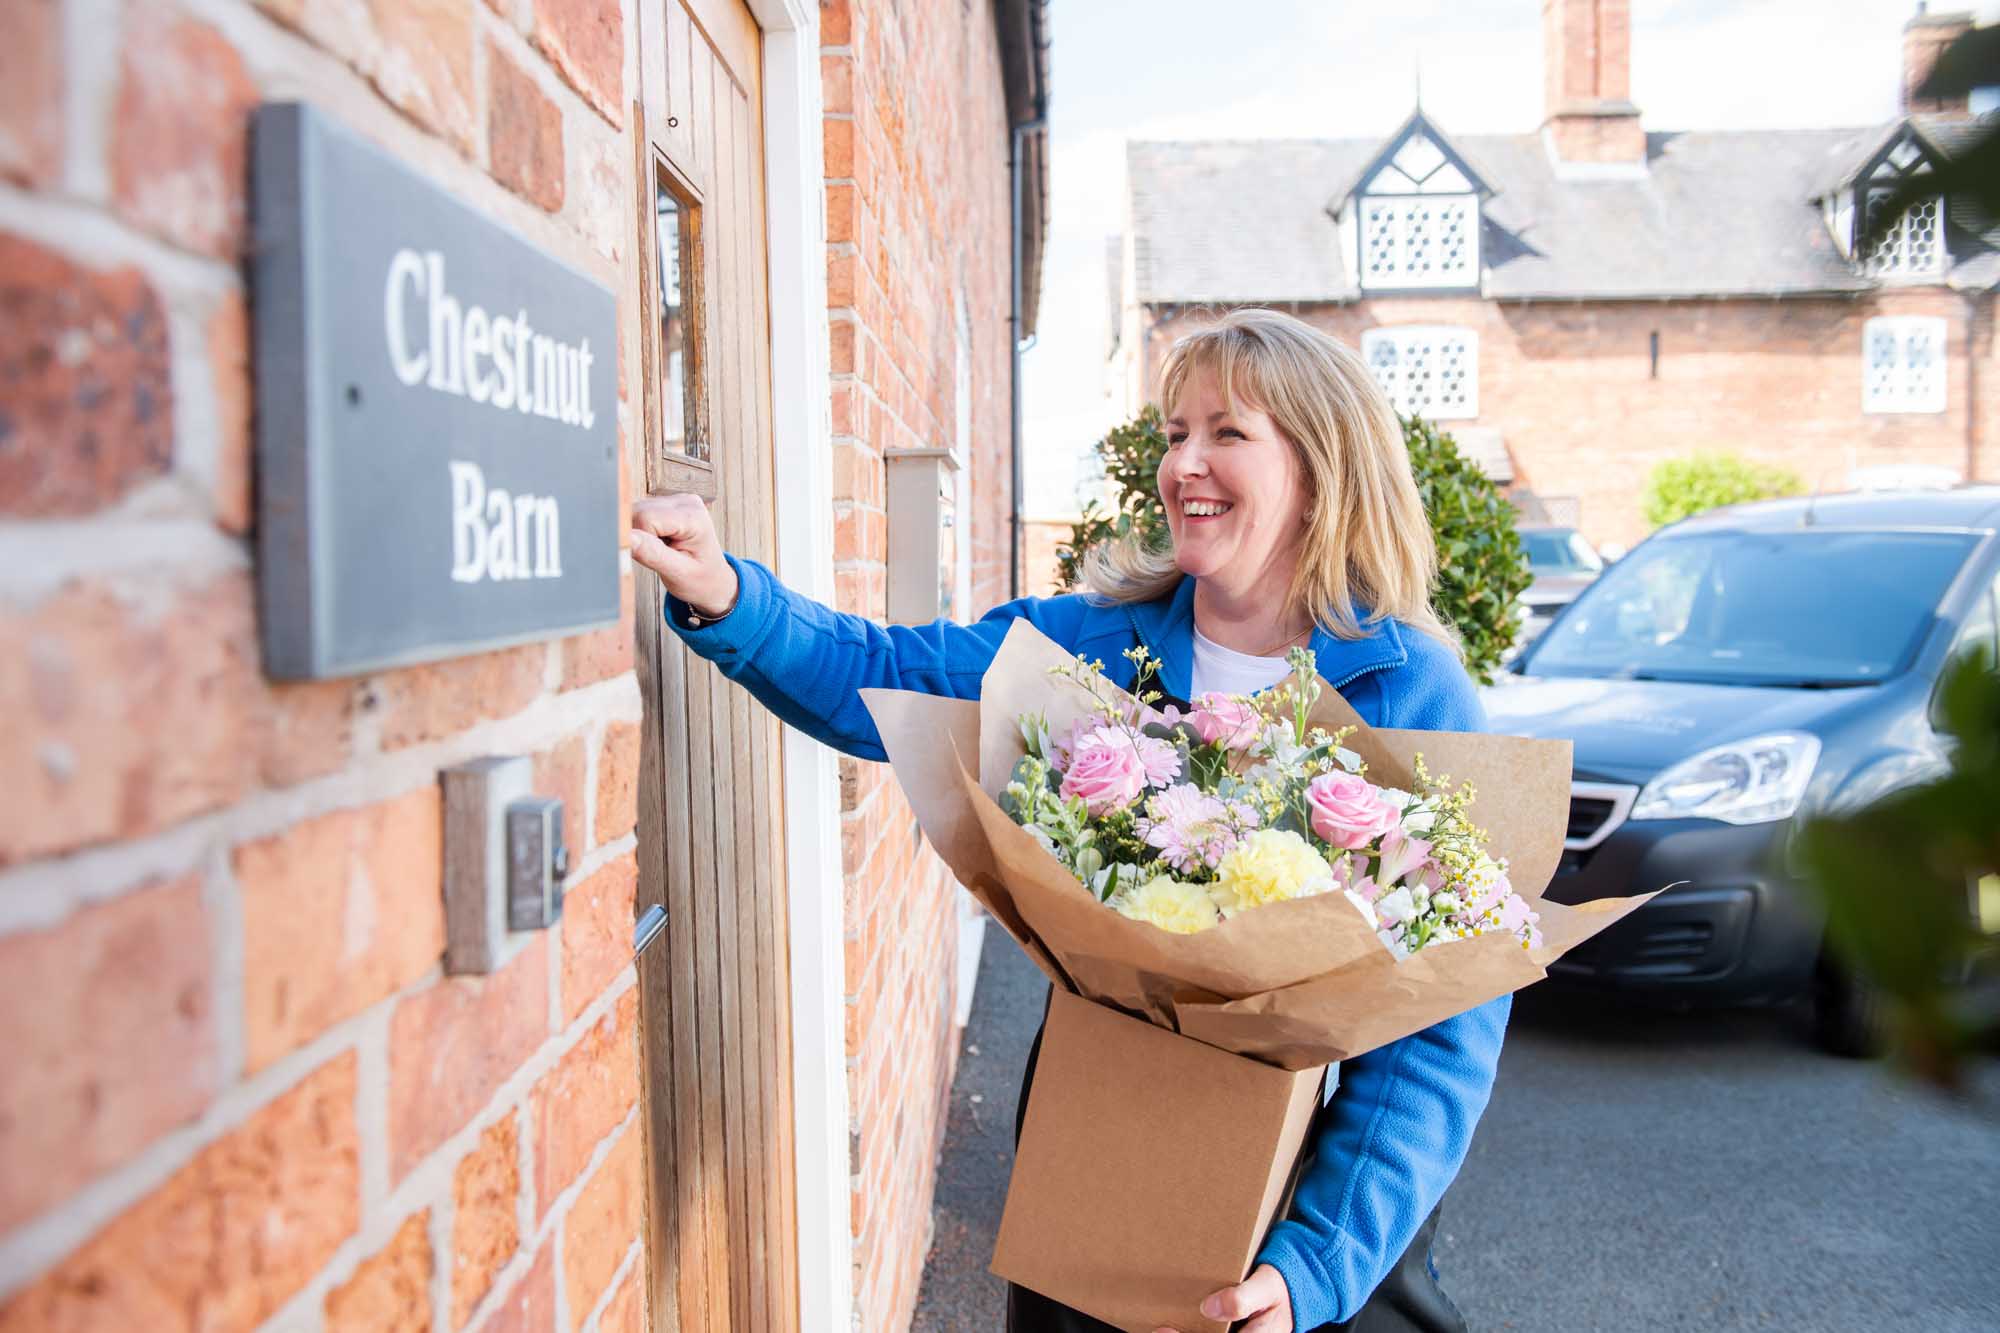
(1401, 1122)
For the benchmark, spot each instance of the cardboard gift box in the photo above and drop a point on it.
(1179, 1073)
(1129, 1125)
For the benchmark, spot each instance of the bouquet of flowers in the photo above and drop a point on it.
(1185, 820)
(1226, 900)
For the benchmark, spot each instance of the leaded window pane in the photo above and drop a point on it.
(1420, 242)
(1903, 364)
(1428, 372)
(1914, 246)
(1382, 243)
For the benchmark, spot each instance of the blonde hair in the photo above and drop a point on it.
(1367, 541)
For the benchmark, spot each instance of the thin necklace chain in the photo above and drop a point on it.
(1283, 643)
(1287, 641)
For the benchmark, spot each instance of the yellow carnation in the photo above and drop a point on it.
(1168, 904)
(1269, 866)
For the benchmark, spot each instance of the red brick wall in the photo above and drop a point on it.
(1570, 387)
(1040, 574)
(917, 214)
(240, 1092)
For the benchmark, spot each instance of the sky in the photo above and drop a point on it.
(1198, 69)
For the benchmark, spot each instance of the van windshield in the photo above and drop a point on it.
(1814, 608)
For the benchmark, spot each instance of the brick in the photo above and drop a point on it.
(584, 1098)
(837, 134)
(390, 1292)
(342, 28)
(586, 40)
(31, 95)
(453, 1045)
(180, 132)
(599, 207)
(840, 268)
(847, 533)
(86, 400)
(531, 1306)
(524, 133)
(602, 1224)
(229, 1238)
(423, 63)
(841, 337)
(306, 730)
(339, 912)
(846, 404)
(601, 654)
(618, 782)
(439, 699)
(836, 22)
(559, 772)
(626, 1311)
(229, 363)
(836, 83)
(118, 1047)
(841, 204)
(597, 933)
(487, 1229)
(87, 675)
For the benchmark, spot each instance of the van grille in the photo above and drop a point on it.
(1587, 815)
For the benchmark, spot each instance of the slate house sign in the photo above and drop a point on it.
(437, 435)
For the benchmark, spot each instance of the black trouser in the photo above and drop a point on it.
(1409, 1299)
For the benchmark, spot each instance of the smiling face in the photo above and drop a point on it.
(1233, 489)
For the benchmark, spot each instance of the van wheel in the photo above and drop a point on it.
(1850, 1018)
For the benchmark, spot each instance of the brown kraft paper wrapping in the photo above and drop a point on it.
(1131, 1124)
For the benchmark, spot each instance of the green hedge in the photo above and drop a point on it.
(1683, 486)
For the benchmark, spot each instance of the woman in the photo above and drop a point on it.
(1294, 519)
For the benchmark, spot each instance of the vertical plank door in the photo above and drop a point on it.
(714, 991)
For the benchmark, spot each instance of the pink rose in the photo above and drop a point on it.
(1348, 810)
(1105, 771)
(1062, 744)
(1234, 723)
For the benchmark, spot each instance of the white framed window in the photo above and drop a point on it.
(1902, 364)
(1419, 241)
(1427, 371)
(1914, 247)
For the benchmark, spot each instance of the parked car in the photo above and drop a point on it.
(1563, 564)
(1734, 673)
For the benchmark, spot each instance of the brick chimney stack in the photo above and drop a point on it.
(1924, 36)
(1588, 116)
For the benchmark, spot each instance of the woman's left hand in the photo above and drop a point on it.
(1262, 1298)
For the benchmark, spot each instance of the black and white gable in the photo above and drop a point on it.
(1914, 248)
(1410, 221)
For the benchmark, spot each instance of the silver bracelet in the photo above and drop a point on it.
(696, 619)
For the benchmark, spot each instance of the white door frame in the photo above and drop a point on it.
(801, 429)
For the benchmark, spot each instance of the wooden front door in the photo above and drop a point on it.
(715, 994)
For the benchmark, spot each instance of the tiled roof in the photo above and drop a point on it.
(1716, 213)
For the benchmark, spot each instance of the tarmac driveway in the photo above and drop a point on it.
(1635, 1170)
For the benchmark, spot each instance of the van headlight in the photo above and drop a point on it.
(1744, 782)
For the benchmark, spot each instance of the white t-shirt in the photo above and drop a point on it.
(1219, 670)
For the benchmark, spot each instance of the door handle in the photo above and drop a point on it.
(651, 922)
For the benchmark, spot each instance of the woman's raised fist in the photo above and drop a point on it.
(673, 536)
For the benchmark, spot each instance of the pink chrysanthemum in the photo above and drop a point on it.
(1191, 828)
